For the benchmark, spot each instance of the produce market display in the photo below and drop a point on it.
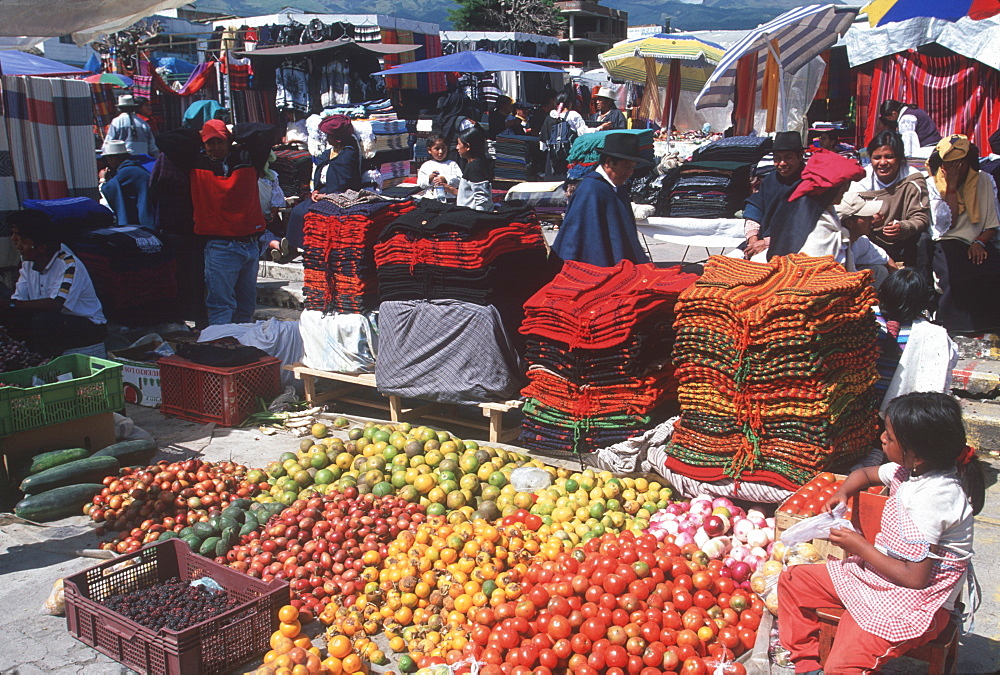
(413, 548)
(776, 364)
(15, 355)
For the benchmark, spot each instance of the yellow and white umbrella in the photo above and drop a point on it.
(674, 61)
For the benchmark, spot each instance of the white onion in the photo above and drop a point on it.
(701, 538)
(757, 538)
(682, 539)
(715, 548)
(742, 529)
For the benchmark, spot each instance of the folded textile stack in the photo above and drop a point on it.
(340, 232)
(585, 153)
(776, 365)
(438, 252)
(743, 149)
(710, 189)
(598, 346)
(514, 155)
(133, 273)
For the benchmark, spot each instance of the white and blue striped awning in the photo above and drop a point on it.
(801, 34)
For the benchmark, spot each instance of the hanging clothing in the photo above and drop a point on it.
(292, 81)
(599, 227)
(917, 129)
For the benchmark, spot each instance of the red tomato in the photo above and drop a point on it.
(614, 584)
(702, 580)
(668, 636)
(672, 619)
(480, 635)
(749, 619)
(650, 632)
(538, 595)
(616, 656)
(559, 627)
(703, 599)
(596, 660)
(653, 654)
(725, 585)
(562, 648)
(683, 600)
(693, 666)
(548, 658)
(729, 637)
(580, 584)
(580, 643)
(594, 629)
(684, 581)
(670, 660)
(634, 666)
(748, 637)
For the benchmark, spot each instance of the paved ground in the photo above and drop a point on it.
(31, 558)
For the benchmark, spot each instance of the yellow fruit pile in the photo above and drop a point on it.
(292, 653)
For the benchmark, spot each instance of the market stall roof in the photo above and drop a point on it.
(21, 63)
(327, 45)
(471, 62)
(973, 39)
(85, 20)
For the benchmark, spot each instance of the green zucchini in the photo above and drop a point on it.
(57, 503)
(50, 460)
(89, 470)
(130, 453)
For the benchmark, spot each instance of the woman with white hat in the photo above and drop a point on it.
(608, 117)
(131, 129)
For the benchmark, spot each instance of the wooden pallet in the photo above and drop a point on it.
(345, 384)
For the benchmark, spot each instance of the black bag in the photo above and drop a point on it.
(560, 140)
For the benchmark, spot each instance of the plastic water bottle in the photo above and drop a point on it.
(440, 194)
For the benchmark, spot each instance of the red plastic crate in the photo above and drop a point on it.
(216, 645)
(226, 396)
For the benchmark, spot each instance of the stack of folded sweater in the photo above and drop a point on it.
(776, 365)
(453, 282)
(599, 340)
(340, 232)
(710, 189)
(586, 151)
(134, 275)
(443, 252)
(514, 155)
(743, 149)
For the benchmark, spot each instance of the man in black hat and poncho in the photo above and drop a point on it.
(599, 227)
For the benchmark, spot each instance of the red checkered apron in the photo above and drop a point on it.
(882, 608)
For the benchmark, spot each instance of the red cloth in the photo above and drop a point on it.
(226, 206)
(826, 169)
(960, 94)
(802, 589)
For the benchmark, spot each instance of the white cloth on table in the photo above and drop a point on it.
(708, 232)
(279, 339)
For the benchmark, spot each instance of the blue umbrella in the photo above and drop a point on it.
(470, 62)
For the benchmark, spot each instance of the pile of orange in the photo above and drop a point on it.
(292, 653)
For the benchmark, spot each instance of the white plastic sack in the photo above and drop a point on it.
(339, 343)
(817, 527)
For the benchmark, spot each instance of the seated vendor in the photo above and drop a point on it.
(846, 238)
(769, 210)
(125, 189)
(599, 227)
(54, 306)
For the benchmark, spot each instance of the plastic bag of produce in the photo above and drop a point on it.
(530, 479)
(817, 527)
(55, 604)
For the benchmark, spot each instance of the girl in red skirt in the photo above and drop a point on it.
(898, 593)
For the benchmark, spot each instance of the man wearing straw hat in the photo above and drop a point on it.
(608, 117)
(132, 129)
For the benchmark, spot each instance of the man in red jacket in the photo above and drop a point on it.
(227, 213)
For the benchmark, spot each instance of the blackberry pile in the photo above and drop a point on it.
(15, 355)
(172, 604)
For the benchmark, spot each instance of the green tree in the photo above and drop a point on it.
(540, 17)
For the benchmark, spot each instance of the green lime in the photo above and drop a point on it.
(571, 485)
(318, 459)
(324, 477)
(407, 664)
(471, 445)
(596, 510)
(435, 509)
(382, 489)
(285, 456)
(497, 479)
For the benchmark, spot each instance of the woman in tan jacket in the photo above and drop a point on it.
(901, 228)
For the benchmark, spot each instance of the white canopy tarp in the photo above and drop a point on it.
(979, 40)
(85, 20)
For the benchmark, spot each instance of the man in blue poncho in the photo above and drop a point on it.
(126, 188)
(599, 227)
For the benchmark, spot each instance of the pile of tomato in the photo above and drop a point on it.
(620, 604)
(809, 499)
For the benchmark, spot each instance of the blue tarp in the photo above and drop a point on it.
(175, 65)
(13, 62)
(469, 62)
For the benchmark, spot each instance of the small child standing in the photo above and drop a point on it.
(439, 172)
(898, 593)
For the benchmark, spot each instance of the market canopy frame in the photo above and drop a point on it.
(85, 20)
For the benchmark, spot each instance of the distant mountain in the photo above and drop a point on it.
(699, 15)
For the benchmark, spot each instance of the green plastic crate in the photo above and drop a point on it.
(96, 388)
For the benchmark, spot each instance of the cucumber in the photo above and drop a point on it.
(57, 503)
(89, 470)
(50, 460)
(208, 547)
(130, 453)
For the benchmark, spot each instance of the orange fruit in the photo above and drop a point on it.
(300, 669)
(340, 646)
(314, 664)
(280, 643)
(303, 641)
(288, 614)
(298, 655)
(271, 656)
(283, 661)
(352, 663)
(333, 665)
(291, 629)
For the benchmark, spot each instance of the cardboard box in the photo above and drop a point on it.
(140, 378)
(94, 433)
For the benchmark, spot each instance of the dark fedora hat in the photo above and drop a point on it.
(787, 140)
(624, 146)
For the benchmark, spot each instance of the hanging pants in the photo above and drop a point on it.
(802, 589)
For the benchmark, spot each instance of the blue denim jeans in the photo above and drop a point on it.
(231, 280)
